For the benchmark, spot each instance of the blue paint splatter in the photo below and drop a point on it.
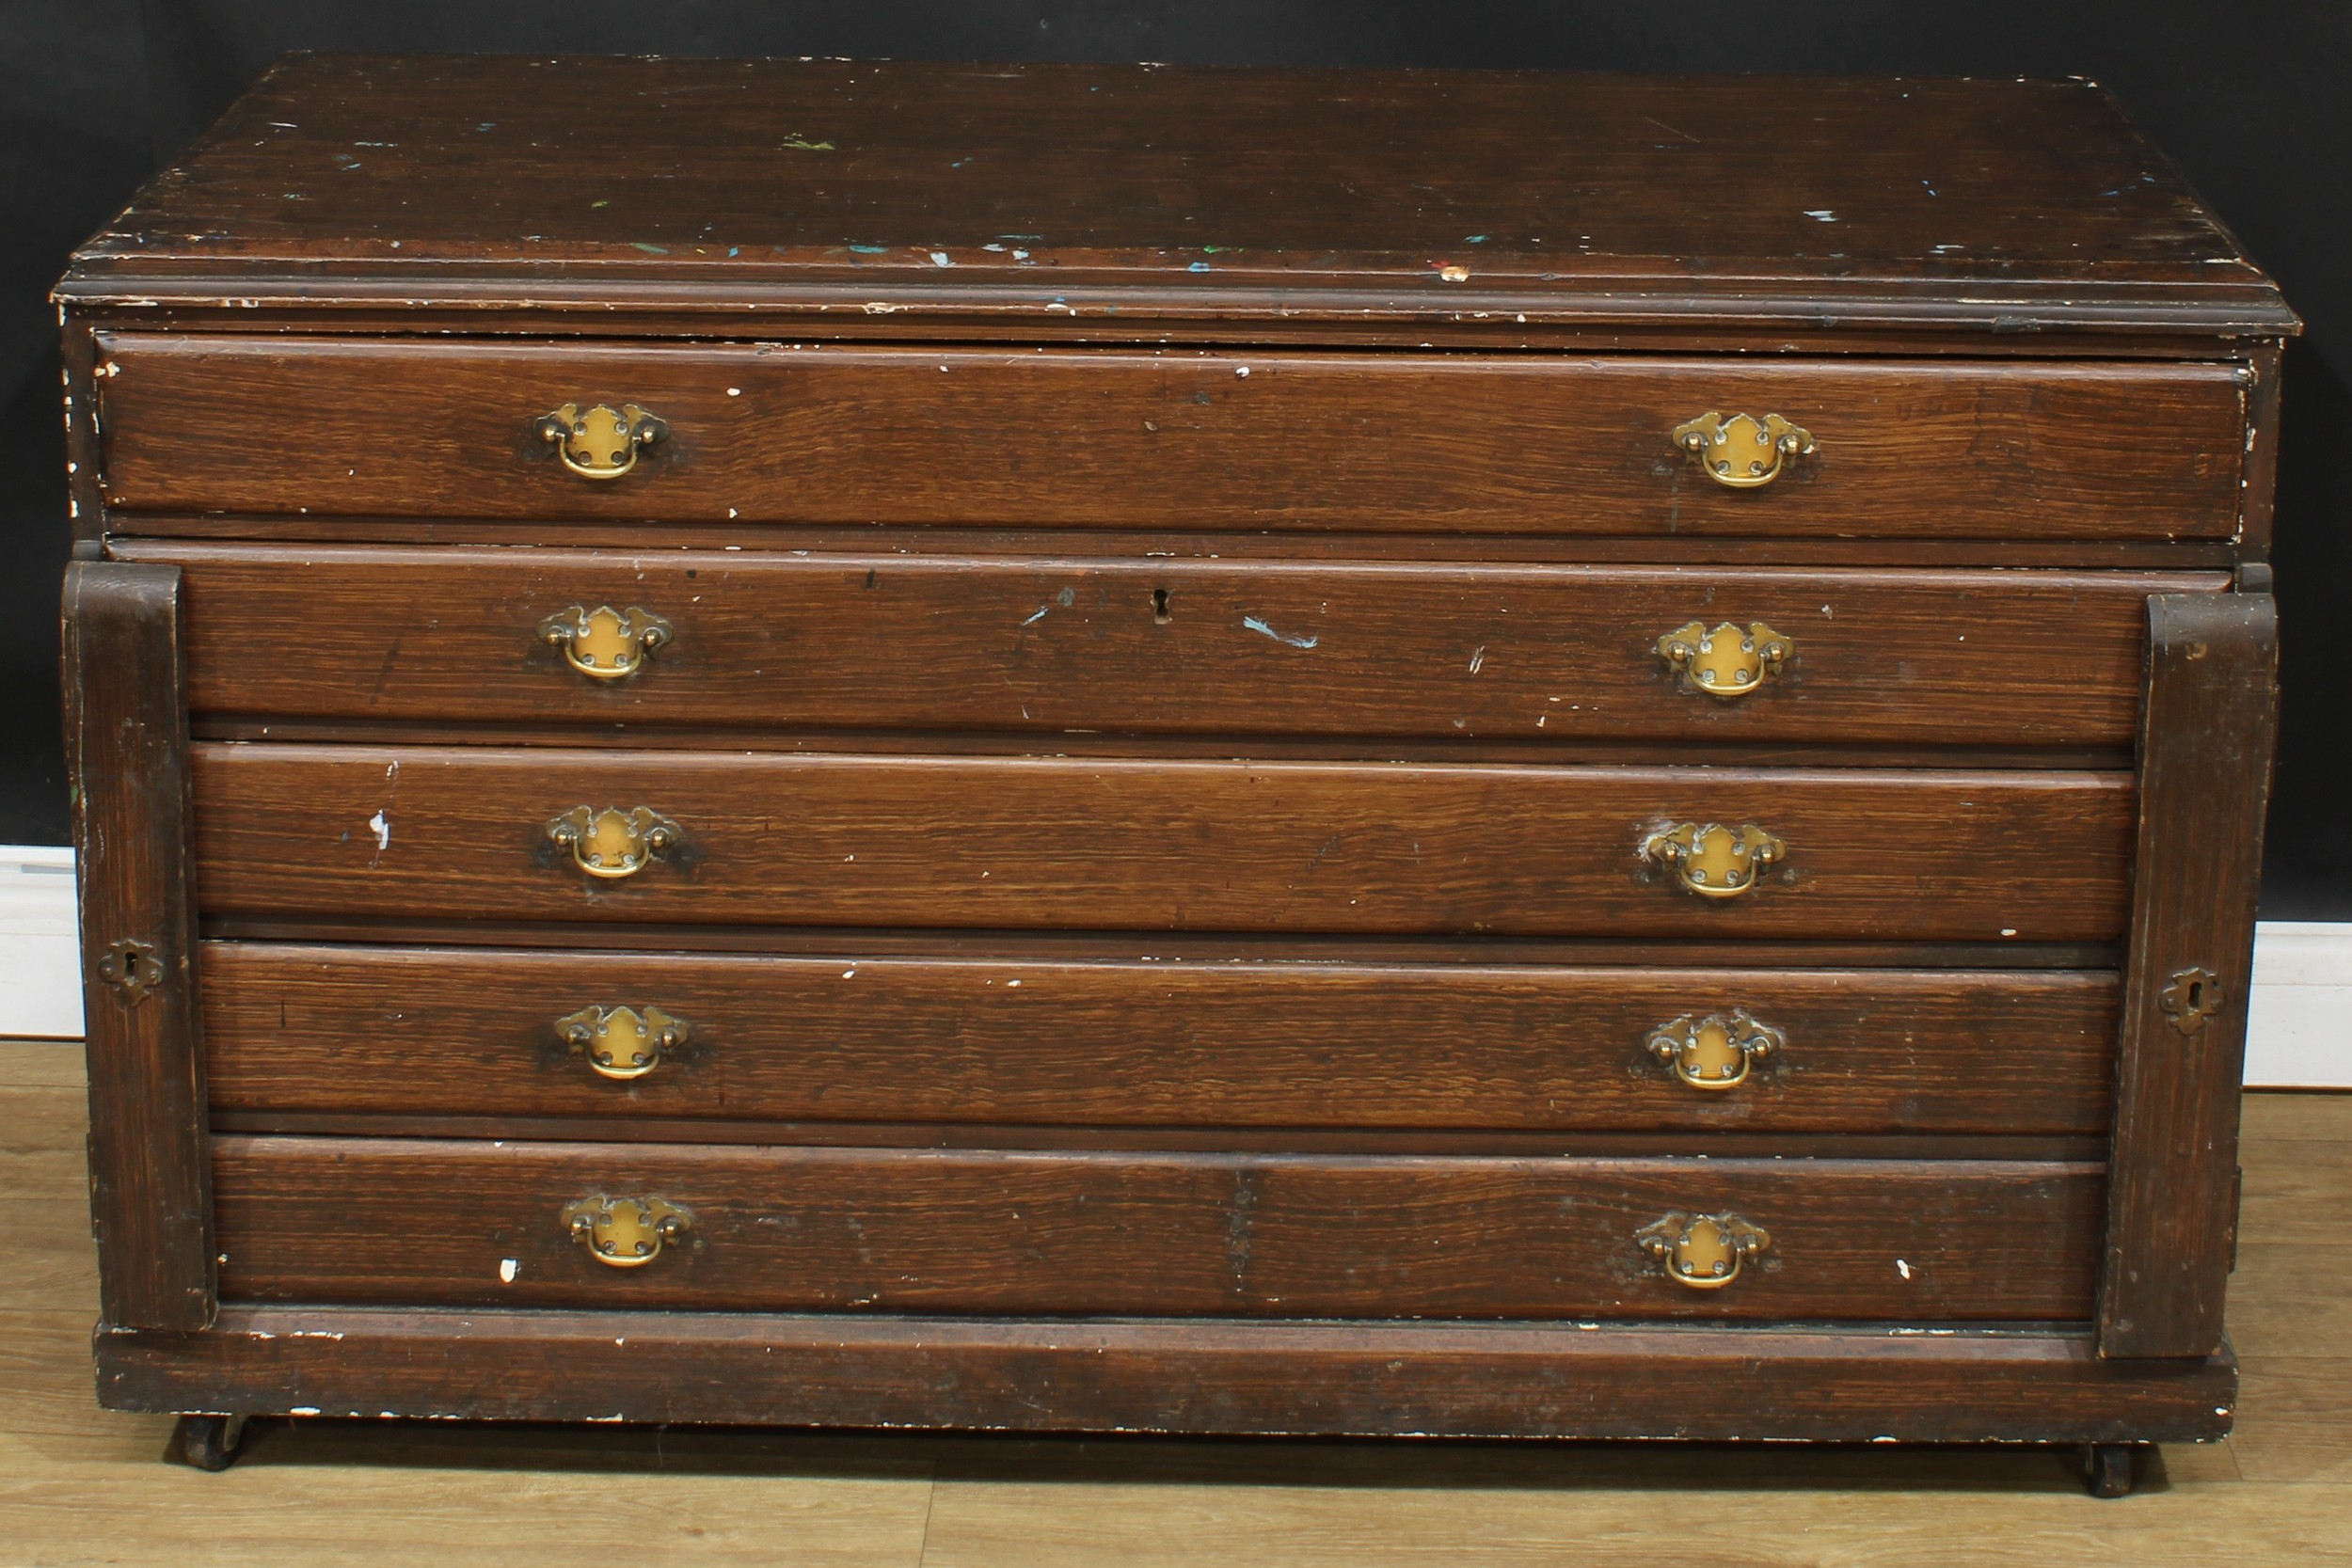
(1198, 266)
(1262, 629)
(871, 249)
(1041, 613)
(1473, 239)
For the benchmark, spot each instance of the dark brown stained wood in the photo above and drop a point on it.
(1265, 1045)
(2205, 756)
(1396, 1379)
(1896, 854)
(1726, 949)
(431, 1222)
(1160, 647)
(126, 742)
(1053, 190)
(137, 534)
(1176, 439)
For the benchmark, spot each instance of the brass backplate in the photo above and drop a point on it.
(605, 643)
(1742, 451)
(626, 1232)
(1727, 662)
(133, 968)
(601, 442)
(1711, 860)
(1702, 1251)
(622, 1043)
(1714, 1052)
(613, 843)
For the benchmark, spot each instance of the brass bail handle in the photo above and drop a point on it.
(1711, 860)
(601, 442)
(1729, 662)
(626, 1232)
(1714, 1052)
(613, 843)
(622, 1043)
(605, 643)
(1702, 1251)
(1741, 452)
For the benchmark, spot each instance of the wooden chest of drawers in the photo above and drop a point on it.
(1134, 748)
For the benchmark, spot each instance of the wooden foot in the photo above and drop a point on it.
(207, 1442)
(2110, 1468)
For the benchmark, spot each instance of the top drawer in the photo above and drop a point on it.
(1087, 438)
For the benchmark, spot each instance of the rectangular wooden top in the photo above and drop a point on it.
(1053, 192)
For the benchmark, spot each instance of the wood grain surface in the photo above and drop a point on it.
(434, 1222)
(2005, 206)
(127, 743)
(1178, 438)
(1258, 1044)
(354, 832)
(2211, 725)
(1454, 653)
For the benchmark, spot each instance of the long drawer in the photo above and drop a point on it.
(897, 1230)
(293, 1028)
(1056, 842)
(1176, 439)
(1290, 648)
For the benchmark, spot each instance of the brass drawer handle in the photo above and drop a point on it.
(605, 643)
(626, 1232)
(614, 843)
(1713, 861)
(622, 1043)
(601, 442)
(1725, 663)
(1714, 1052)
(1742, 452)
(1702, 1251)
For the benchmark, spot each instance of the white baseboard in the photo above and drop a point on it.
(2299, 1035)
(40, 953)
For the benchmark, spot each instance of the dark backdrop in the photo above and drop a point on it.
(2249, 96)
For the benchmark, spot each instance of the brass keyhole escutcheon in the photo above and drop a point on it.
(1714, 1052)
(613, 843)
(626, 1232)
(1726, 662)
(622, 1043)
(133, 968)
(601, 442)
(1713, 861)
(605, 643)
(1702, 1251)
(1742, 452)
(2189, 998)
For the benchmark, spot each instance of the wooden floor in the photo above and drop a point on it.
(81, 1485)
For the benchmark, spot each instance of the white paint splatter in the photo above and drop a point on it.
(381, 825)
(1263, 630)
(1821, 215)
(1902, 1268)
(509, 1268)
(1478, 658)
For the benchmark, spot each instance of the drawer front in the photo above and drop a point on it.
(1059, 843)
(511, 1034)
(1178, 440)
(896, 1230)
(1528, 653)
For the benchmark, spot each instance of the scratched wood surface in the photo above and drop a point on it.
(1418, 193)
(1105, 844)
(88, 1486)
(438, 1222)
(1257, 1043)
(1178, 438)
(1293, 650)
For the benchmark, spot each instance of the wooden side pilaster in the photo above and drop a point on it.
(2207, 724)
(127, 751)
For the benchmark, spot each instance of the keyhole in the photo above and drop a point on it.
(1159, 606)
(2196, 997)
